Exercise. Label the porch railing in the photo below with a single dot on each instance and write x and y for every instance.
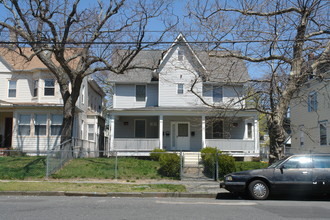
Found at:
(231, 144)
(135, 144)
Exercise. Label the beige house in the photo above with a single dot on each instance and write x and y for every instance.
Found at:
(310, 115)
(31, 107)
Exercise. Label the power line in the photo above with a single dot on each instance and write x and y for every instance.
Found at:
(158, 42)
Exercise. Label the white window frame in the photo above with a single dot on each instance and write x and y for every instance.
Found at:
(52, 125)
(91, 131)
(180, 54)
(301, 136)
(145, 93)
(180, 89)
(217, 99)
(24, 124)
(83, 95)
(12, 89)
(35, 88)
(49, 87)
(323, 137)
(312, 101)
(36, 124)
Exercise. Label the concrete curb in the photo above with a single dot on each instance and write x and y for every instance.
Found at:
(111, 194)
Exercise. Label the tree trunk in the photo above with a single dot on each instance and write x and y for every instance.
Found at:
(68, 119)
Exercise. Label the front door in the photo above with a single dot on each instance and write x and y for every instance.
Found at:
(180, 136)
(8, 132)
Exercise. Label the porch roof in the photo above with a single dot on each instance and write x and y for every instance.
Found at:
(189, 110)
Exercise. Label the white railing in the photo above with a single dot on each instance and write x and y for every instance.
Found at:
(231, 144)
(135, 144)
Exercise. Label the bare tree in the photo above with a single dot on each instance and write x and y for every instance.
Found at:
(75, 40)
(279, 36)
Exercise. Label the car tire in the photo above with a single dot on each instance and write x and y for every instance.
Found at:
(258, 190)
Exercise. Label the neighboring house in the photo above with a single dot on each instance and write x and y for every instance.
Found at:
(310, 115)
(31, 107)
(153, 106)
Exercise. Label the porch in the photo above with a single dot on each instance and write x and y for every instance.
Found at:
(141, 134)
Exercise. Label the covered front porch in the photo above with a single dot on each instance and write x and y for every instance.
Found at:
(143, 133)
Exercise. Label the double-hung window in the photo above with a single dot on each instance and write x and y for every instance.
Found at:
(56, 124)
(49, 89)
(217, 93)
(91, 131)
(24, 125)
(323, 133)
(312, 102)
(180, 88)
(35, 88)
(140, 91)
(12, 88)
(40, 124)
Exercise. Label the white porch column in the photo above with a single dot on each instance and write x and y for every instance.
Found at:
(112, 132)
(256, 135)
(161, 118)
(203, 132)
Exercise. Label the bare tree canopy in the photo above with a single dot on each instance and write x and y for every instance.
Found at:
(75, 38)
(291, 38)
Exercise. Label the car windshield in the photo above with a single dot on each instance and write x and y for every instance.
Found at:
(277, 163)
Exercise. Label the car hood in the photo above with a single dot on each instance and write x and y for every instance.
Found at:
(254, 172)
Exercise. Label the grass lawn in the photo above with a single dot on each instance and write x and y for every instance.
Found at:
(89, 187)
(104, 168)
(22, 167)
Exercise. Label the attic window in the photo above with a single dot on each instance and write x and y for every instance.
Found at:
(49, 89)
(180, 55)
(180, 88)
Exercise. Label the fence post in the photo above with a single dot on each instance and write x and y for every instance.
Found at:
(216, 167)
(116, 166)
(181, 164)
(47, 165)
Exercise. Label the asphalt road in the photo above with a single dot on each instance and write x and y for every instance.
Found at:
(34, 207)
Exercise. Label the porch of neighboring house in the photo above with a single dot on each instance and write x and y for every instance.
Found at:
(138, 135)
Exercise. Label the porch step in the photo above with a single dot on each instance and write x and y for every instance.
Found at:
(192, 159)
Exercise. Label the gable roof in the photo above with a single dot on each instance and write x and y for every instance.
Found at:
(214, 68)
(14, 61)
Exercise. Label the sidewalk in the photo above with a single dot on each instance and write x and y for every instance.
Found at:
(195, 189)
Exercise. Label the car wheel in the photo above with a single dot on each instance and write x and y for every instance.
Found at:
(258, 190)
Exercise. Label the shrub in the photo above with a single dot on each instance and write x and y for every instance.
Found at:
(242, 166)
(208, 159)
(156, 153)
(226, 163)
(169, 165)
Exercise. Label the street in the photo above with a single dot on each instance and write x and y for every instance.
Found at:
(34, 207)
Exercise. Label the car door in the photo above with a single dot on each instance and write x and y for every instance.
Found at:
(321, 173)
(294, 175)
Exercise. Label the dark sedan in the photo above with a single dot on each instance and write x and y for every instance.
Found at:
(308, 174)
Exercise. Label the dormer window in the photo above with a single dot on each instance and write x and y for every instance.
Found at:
(180, 55)
(49, 87)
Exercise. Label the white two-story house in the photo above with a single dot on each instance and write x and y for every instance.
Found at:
(154, 107)
(31, 107)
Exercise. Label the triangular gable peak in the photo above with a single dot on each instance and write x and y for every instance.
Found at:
(180, 41)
